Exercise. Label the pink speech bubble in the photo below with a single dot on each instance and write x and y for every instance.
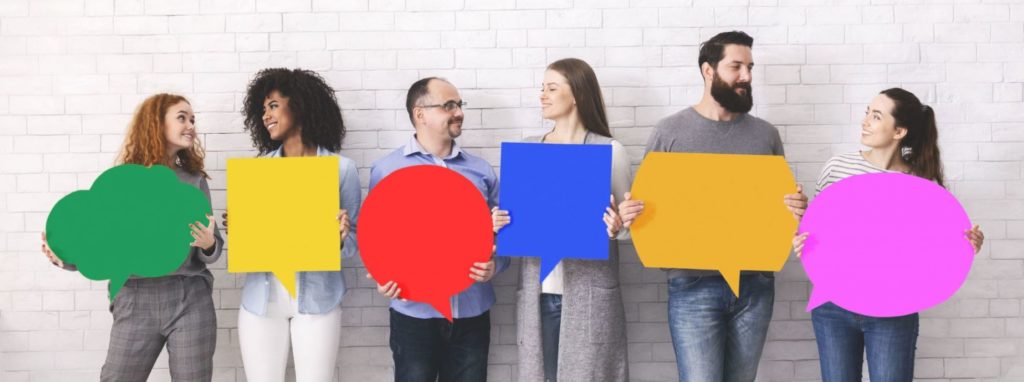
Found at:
(885, 245)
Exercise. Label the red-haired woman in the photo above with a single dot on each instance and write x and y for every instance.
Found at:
(174, 310)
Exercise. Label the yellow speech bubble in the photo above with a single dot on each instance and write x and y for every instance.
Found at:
(283, 216)
(721, 212)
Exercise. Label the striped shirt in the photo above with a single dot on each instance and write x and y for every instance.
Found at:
(843, 166)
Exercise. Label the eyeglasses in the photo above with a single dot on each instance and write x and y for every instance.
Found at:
(449, 106)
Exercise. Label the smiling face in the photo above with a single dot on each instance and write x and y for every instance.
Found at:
(556, 99)
(277, 117)
(878, 129)
(179, 127)
(437, 121)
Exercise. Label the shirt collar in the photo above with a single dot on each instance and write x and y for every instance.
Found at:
(413, 147)
(320, 151)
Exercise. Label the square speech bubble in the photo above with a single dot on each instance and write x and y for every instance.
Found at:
(556, 195)
(284, 216)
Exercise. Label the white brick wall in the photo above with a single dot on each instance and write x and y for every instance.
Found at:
(72, 71)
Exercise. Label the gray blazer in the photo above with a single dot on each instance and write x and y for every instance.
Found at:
(592, 341)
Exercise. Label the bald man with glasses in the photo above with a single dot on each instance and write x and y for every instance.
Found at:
(426, 346)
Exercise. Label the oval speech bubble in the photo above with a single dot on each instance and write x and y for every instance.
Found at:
(721, 212)
(423, 227)
(885, 245)
(132, 222)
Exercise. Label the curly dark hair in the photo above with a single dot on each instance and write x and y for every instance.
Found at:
(311, 101)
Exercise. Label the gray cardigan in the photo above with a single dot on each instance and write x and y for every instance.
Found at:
(592, 340)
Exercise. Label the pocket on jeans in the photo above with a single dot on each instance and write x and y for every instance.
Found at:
(766, 281)
(683, 282)
(606, 318)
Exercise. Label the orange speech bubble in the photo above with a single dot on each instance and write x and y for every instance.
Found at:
(721, 212)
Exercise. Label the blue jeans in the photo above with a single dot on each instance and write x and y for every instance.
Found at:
(550, 323)
(434, 349)
(843, 337)
(716, 336)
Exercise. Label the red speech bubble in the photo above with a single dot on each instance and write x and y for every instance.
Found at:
(423, 227)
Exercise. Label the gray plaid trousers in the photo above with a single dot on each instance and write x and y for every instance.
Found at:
(149, 313)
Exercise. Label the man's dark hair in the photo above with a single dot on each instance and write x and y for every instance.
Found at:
(712, 50)
(417, 91)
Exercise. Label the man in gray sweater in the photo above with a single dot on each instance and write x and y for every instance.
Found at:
(718, 336)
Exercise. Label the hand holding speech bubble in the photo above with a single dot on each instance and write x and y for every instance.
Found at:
(720, 212)
(423, 227)
(885, 245)
(133, 221)
(557, 193)
(284, 216)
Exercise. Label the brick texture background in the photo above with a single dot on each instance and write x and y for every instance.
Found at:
(72, 71)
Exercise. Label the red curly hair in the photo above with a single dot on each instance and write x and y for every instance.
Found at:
(145, 143)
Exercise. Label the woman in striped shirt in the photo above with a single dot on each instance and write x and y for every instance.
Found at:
(902, 136)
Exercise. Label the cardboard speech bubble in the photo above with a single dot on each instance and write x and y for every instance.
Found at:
(147, 210)
(423, 227)
(284, 216)
(557, 194)
(885, 245)
(721, 212)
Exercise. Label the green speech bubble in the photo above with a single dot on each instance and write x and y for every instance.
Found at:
(134, 221)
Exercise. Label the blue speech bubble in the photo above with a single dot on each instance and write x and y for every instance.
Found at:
(555, 195)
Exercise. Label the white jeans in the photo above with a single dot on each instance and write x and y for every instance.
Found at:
(265, 340)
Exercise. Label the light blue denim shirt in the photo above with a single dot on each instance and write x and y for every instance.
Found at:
(318, 292)
(479, 297)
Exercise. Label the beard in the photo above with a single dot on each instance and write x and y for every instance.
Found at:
(726, 95)
(455, 127)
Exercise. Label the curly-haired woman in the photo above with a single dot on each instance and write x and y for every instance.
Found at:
(292, 113)
(174, 310)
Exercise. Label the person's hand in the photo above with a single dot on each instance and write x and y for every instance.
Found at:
(390, 289)
(798, 243)
(797, 203)
(345, 225)
(225, 217)
(203, 234)
(612, 221)
(482, 272)
(49, 253)
(629, 210)
(499, 218)
(976, 237)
